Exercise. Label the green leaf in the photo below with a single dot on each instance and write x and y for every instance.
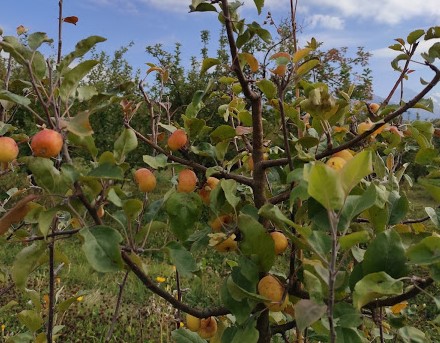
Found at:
(426, 156)
(125, 143)
(301, 54)
(31, 319)
(248, 333)
(182, 259)
(156, 162)
(256, 242)
(229, 188)
(425, 104)
(36, 39)
(411, 334)
(325, 186)
(18, 99)
(432, 186)
(268, 88)
(347, 316)
(308, 312)
(356, 204)
(240, 309)
(101, 247)
(184, 211)
(45, 220)
(348, 241)
(356, 169)
(222, 133)
(132, 208)
(351, 335)
(26, 261)
(79, 124)
(395, 62)
(185, 336)
(313, 286)
(208, 63)
(426, 252)
(305, 67)
(434, 215)
(259, 4)
(81, 48)
(386, 254)
(107, 171)
(73, 77)
(374, 286)
(414, 36)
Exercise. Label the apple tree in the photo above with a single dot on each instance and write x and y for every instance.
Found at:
(301, 187)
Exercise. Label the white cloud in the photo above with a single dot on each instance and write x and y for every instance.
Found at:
(389, 53)
(384, 11)
(325, 21)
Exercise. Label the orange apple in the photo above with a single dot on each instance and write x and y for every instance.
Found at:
(8, 149)
(374, 107)
(100, 212)
(280, 242)
(205, 192)
(208, 328)
(229, 244)
(47, 143)
(145, 180)
(219, 222)
(177, 140)
(271, 288)
(187, 181)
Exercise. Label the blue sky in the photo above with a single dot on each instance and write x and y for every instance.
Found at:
(372, 24)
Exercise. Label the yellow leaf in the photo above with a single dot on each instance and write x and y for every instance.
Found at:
(251, 61)
(16, 214)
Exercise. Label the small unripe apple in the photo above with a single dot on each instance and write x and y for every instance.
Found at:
(145, 180)
(8, 149)
(250, 161)
(208, 328)
(100, 211)
(336, 163)
(177, 140)
(192, 323)
(280, 242)
(205, 192)
(271, 288)
(47, 143)
(187, 181)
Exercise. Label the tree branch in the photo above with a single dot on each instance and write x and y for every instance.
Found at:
(199, 313)
(194, 165)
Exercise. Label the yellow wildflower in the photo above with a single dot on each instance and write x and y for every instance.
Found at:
(80, 298)
(160, 279)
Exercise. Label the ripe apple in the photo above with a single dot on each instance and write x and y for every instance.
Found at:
(208, 328)
(345, 154)
(336, 163)
(364, 126)
(192, 323)
(145, 180)
(177, 140)
(374, 107)
(47, 143)
(280, 242)
(8, 149)
(219, 222)
(209, 185)
(229, 244)
(271, 288)
(187, 181)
